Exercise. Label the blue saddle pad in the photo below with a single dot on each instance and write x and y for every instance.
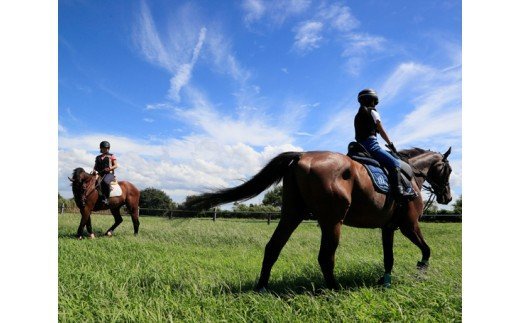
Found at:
(379, 178)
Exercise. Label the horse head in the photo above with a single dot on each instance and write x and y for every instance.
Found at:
(438, 176)
(79, 185)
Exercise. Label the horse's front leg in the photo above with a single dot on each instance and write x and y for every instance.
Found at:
(89, 228)
(85, 216)
(388, 256)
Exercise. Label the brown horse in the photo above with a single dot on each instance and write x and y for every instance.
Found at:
(87, 199)
(338, 190)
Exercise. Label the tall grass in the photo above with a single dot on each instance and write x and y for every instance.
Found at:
(200, 270)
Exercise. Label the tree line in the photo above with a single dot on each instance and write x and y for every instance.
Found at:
(156, 202)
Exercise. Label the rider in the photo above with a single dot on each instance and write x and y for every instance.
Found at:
(105, 165)
(367, 124)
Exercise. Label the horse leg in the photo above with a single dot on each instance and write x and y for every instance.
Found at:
(273, 248)
(89, 228)
(117, 221)
(388, 256)
(85, 215)
(413, 233)
(329, 243)
(134, 212)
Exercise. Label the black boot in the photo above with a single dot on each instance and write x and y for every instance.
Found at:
(401, 192)
(106, 194)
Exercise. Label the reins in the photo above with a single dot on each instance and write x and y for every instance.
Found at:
(432, 187)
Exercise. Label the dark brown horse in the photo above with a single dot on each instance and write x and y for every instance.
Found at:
(338, 190)
(87, 199)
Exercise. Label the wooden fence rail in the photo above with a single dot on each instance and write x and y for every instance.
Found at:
(215, 213)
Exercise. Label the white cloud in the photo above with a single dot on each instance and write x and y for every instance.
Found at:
(361, 43)
(224, 128)
(183, 75)
(308, 36)
(180, 167)
(404, 74)
(254, 10)
(272, 12)
(338, 16)
(160, 106)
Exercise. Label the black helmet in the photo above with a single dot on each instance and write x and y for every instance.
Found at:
(367, 94)
(104, 144)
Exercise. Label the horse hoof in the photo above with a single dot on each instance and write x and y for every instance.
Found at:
(421, 265)
(261, 290)
(109, 233)
(80, 238)
(92, 236)
(385, 281)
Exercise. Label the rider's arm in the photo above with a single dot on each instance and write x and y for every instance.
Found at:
(114, 164)
(379, 126)
(382, 132)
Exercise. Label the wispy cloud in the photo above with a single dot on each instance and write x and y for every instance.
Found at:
(338, 16)
(254, 10)
(308, 36)
(335, 21)
(226, 129)
(405, 74)
(183, 75)
(272, 12)
(160, 106)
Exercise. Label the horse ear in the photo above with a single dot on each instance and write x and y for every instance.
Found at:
(446, 154)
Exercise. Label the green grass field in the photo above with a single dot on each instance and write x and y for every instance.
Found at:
(200, 270)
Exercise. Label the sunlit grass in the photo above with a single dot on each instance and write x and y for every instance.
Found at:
(200, 270)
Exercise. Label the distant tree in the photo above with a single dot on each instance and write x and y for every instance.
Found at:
(457, 207)
(240, 207)
(273, 197)
(68, 203)
(432, 209)
(152, 198)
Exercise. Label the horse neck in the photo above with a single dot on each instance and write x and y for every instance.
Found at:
(422, 163)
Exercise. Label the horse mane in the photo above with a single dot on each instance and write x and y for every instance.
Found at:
(413, 152)
(76, 173)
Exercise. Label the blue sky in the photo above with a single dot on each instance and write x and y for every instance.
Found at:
(196, 95)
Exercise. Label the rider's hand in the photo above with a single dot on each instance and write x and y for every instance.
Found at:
(107, 170)
(392, 147)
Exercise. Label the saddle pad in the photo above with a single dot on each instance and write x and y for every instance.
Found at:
(379, 178)
(115, 190)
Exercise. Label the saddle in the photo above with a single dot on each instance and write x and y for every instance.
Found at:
(377, 172)
(115, 189)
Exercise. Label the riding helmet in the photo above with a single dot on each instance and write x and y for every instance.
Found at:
(104, 144)
(367, 94)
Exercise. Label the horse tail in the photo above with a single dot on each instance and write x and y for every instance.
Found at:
(271, 174)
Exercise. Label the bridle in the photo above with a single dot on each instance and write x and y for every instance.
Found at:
(86, 188)
(434, 188)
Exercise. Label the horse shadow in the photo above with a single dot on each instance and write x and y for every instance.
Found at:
(311, 283)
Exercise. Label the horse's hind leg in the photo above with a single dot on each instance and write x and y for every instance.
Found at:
(134, 213)
(292, 216)
(330, 235)
(273, 248)
(413, 232)
(117, 221)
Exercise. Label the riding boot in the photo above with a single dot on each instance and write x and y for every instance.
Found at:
(401, 192)
(106, 194)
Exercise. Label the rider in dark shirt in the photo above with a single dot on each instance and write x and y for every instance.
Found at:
(367, 124)
(105, 165)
